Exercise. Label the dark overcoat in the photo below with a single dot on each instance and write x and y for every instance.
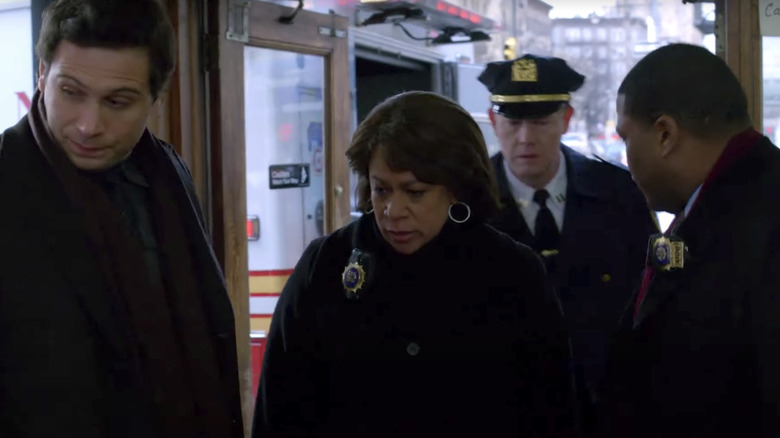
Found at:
(442, 342)
(702, 357)
(64, 355)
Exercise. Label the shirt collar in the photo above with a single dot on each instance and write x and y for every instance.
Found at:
(735, 149)
(524, 194)
(691, 201)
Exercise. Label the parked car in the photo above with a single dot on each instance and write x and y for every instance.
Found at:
(615, 152)
(577, 141)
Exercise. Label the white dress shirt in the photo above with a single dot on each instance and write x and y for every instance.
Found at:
(524, 195)
(691, 201)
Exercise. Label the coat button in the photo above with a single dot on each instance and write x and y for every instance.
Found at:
(413, 349)
(606, 278)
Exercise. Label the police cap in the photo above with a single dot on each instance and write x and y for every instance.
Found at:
(530, 86)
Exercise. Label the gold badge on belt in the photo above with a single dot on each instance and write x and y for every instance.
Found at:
(667, 253)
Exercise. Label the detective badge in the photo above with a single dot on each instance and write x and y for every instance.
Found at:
(355, 274)
(667, 253)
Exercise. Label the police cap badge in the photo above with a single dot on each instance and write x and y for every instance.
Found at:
(530, 86)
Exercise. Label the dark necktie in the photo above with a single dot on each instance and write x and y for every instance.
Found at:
(545, 231)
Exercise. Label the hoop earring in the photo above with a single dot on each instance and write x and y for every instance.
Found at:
(371, 210)
(459, 221)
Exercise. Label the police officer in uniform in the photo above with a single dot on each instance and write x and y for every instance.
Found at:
(585, 217)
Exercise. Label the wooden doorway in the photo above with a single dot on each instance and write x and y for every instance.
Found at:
(279, 118)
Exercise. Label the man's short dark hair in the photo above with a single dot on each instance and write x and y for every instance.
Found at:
(435, 139)
(113, 24)
(689, 84)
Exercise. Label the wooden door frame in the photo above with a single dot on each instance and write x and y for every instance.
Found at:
(305, 36)
(741, 47)
(179, 115)
(225, 97)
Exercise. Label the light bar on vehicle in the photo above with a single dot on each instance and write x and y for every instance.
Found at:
(439, 13)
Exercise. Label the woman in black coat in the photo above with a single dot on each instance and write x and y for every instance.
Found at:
(418, 319)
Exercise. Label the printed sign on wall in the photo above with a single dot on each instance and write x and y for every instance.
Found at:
(283, 176)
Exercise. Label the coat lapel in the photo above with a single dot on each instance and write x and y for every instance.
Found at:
(582, 190)
(743, 155)
(662, 286)
(214, 290)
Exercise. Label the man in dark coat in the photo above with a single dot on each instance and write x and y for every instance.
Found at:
(698, 352)
(585, 217)
(114, 316)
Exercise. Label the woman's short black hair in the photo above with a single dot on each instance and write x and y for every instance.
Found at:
(435, 139)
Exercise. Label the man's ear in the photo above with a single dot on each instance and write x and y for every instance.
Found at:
(567, 114)
(155, 110)
(667, 132)
(492, 116)
(41, 75)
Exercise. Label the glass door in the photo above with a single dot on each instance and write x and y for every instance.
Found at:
(280, 105)
(284, 114)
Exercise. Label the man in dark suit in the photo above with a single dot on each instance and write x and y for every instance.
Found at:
(585, 217)
(698, 352)
(114, 316)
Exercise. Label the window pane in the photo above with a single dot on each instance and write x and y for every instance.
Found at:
(771, 72)
(624, 31)
(16, 80)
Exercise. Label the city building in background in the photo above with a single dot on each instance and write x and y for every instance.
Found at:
(672, 20)
(525, 24)
(601, 39)
(602, 49)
